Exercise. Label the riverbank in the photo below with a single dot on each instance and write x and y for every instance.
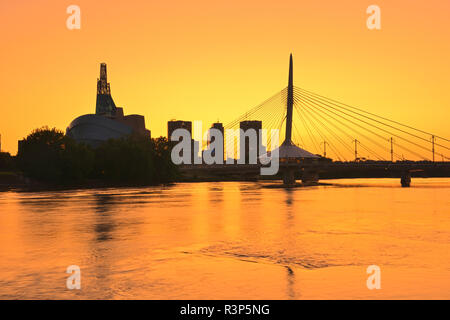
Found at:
(16, 181)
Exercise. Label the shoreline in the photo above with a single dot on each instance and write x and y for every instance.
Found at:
(14, 181)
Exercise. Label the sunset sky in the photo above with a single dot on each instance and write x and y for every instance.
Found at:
(214, 60)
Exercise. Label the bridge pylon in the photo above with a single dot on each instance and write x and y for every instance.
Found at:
(289, 154)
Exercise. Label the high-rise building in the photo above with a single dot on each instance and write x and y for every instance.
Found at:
(178, 124)
(244, 139)
(218, 126)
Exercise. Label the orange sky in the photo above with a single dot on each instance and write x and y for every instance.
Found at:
(213, 60)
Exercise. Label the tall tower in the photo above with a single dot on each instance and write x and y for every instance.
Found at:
(105, 103)
(290, 104)
(288, 151)
(102, 82)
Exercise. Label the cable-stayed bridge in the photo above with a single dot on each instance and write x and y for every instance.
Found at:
(345, 133)
(320, 134)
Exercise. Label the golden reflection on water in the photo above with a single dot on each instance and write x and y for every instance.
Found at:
(229, 240)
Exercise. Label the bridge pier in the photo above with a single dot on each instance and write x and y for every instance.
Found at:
(405, 179)
(289, 177)
(310, 177)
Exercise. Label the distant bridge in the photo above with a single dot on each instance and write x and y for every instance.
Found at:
(343, 132)
(347, 140)
(306, 171)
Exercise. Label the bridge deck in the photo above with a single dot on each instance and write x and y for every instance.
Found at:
(329, 169)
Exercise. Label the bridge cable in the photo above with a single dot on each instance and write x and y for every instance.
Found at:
(372, 114)
(390, 126)
(358, 132)
(323, 105)
(322, 135)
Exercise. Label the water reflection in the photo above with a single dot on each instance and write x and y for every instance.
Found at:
(290, 276)
(289, 196)
(215, 193)
(227, 240)
(104, 225)
(290, 210)
(102, 249)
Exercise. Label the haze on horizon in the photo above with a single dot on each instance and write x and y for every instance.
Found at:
(213, 61)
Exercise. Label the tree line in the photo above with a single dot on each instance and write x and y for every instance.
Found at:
(48, 155)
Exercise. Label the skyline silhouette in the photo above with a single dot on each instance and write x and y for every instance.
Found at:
(207, 59)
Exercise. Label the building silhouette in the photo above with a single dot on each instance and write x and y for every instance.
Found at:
(105, 104)
(173, 125)
(211, 139)
(178, 124)
(250, 128)
(109, 121)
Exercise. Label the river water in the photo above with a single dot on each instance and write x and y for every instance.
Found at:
(229, 240)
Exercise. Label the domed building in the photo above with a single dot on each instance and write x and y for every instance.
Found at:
(108, 122)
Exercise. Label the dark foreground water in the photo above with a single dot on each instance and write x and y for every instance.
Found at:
(230, 240)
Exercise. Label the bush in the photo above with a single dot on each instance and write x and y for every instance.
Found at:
(166, 169)
(135, 159)
(6, 162)
(48, 155)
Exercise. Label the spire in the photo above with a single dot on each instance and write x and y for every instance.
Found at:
(290, 103)
(105, 104)
(102, 82)
(291, 75)
(103, 71)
